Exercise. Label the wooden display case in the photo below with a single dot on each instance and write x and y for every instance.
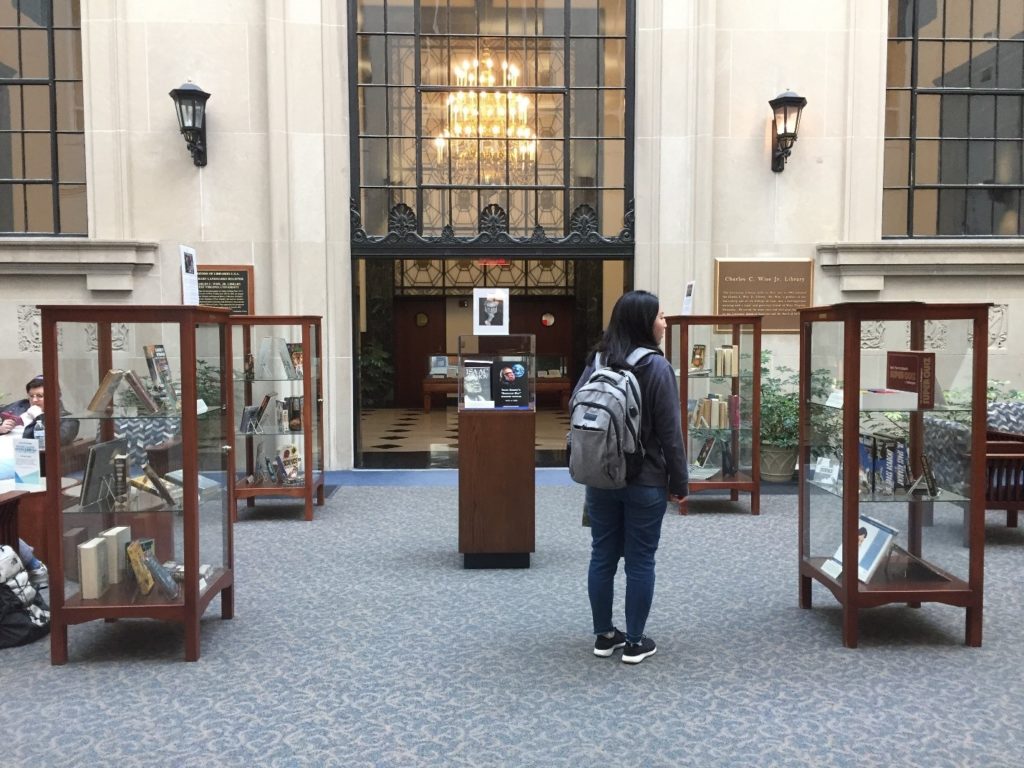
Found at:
(277, 362)
(875, 487)
(497, 430)
(147, 417)
(717, 362)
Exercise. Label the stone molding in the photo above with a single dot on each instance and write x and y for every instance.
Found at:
(107, 265)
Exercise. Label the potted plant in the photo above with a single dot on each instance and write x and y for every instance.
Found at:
(780, 420)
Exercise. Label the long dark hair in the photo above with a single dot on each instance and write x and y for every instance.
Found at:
(631, 326)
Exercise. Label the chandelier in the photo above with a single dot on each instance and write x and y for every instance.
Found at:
(486, 124)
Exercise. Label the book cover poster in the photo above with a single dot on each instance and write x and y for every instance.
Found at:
(511, 386)
(295, 353)
(490, 311)
(476, 384)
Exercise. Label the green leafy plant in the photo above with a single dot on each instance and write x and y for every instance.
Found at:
(376, 375)
(780, 404)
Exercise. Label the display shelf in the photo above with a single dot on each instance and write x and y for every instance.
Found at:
(144, 428)
(278, 361)
(925, 493)
(719, 399)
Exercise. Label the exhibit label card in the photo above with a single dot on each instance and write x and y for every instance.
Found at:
(26, 461)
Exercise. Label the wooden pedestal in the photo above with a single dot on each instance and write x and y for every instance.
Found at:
(496, 488)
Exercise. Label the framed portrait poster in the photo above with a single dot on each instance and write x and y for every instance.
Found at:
(490, 311)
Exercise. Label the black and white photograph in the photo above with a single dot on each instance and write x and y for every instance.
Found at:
(490, 311)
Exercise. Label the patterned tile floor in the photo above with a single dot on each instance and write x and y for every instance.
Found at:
(400, 438)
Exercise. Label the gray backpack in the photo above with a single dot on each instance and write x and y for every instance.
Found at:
(604, 426)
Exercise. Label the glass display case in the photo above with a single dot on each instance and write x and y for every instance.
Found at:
(277, 409)
(497, 372)
(892, 446)
(717, 363)
(140, 519)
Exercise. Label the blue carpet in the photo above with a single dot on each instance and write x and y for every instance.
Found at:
(359, 640)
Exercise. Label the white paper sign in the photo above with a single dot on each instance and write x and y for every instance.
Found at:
(688, 299)
(26, 461)
(189, 276)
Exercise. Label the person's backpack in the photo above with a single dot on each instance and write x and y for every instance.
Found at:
(24, 616)
(604, 443)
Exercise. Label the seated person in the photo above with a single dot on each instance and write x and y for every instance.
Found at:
(38, 575)
(20, 417)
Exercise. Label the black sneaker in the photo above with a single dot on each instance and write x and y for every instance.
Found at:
(634, 653)
(605, 646)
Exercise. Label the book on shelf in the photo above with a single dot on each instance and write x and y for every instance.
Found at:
(510, 382)
(116, 539)
(93, 571)
(136, 555)
(697, 356)
(72, 538)
(274, 361)
(705, 451)
(476, 384)
(912, 370)
(295, 354)
(734, 411)
(928, 476)
(177, 477)
(158, 484)
(160, 575)
(875, 542)
(727, 360)
(160, 370)
(248, 423)
(103, 399)
(289, 458)
(146, 400)
(120, 478)
(257, 417)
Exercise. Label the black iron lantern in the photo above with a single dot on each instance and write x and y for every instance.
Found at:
(190, 104)
(787, 108)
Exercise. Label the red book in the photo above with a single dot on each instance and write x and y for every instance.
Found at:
(912, 371)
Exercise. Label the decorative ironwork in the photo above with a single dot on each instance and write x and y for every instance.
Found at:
(402, 219)
(493, 219)
(583, 240)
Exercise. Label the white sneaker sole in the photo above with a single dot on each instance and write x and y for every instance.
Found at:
(609, 651)
(639, 658)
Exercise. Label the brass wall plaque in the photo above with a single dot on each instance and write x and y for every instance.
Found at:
(228, 287)
(774, 288)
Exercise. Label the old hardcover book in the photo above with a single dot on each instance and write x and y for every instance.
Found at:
(103, 400)
(93, 572)
(136, 554)
(247, 425)
(72, 538)
(117, 539)
(912, 371)
(875, 542)
(158, 484)
(697, 356)
(139, 389)
(257, 417)
(295, 354)
(705, 451)
(160, 369)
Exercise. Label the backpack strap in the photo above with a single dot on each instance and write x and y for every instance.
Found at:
(632, 359)
(637, 355)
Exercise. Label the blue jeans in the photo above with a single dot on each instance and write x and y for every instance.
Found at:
(624, 522)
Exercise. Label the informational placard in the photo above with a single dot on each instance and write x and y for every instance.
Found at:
(228, 287)
(774, 288)
(189, 286)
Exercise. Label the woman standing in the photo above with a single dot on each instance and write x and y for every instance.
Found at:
(626, 522)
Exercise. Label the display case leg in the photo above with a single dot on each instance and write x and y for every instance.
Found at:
(192, 638)
(974, 627)
(309, 506)
(805, 591)
(58, 643)
(850, 615)
(227, 603)
(755, 503)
